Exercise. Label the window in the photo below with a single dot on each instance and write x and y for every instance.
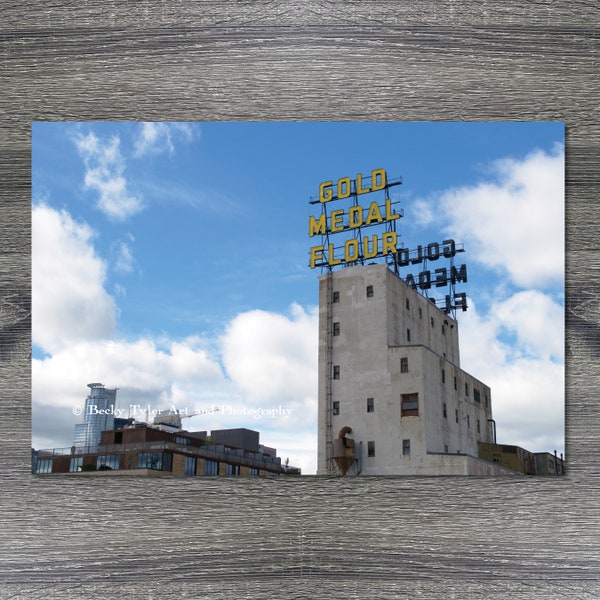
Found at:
(446, 449)
(404, 365)
(406, 447)
(232, 469)
(432, 322)
(44, 466)
(118, 437)
(211, 467)
(444, 410)
(370, 405)
(108, 463)
(409, 406)
(443, 330)
(443, 376)
(369, 291)
(456, 415)
(158, 461)
(476, 395)
(336, 371)
(336, 296)
(478, 426)
(371, 448)
(420, 313)
(181, 440)
(408, 335)
(190, 465)
(253, 471)
(75, 464)
(466, 389)
(336, 408)
(407, 304)
(336, 328)
(455, 383)
(468, 422)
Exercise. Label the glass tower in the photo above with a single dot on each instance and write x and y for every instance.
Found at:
(99, 415)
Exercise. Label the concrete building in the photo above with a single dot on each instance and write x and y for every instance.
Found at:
(393, 399)
(143, 449)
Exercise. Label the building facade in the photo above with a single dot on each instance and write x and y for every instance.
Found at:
(393, 398)
(143, 449)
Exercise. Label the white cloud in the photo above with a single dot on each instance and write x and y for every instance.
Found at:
(104, 174)
(272, 358)
(527, 387)
(69, 300)
(516, 222)
(155, 138)
(123, 257)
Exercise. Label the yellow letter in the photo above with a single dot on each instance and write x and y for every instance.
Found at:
(316, 253)
(374, 214)
(382, 179)
(332, 261)
(337, 217)
(351, 245)
(325, 193)
(346, 182)
(315, 226)
(355, 221)
(372, 253)
(359, 187)
(389, 242)
(389, 215)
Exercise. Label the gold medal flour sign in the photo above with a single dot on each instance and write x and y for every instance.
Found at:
(354, 217)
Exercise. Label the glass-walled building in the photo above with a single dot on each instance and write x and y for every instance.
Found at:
(99, 416)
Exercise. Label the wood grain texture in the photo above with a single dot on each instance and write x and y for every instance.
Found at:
(302, 60)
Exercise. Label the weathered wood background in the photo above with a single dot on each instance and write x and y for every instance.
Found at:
(301, 60)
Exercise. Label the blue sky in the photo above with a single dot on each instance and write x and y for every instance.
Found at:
(171, 261)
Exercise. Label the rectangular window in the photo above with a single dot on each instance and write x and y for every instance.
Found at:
(190, 465)
(232, 469)
(409, 406)
(44, 466)
(369, 291)
(446, 449)
(420, 313)
(336, 371)
(335, 408)
(118, 437)
(370, 405)
(253, 471)
(181, 440)
(75, 464)
(466, 389)
(157, 461)
(432, 322)
(478, 426)
(404, 365)
(476, 395)
(407, 304)
(444, 410)
(108, 463)
(443, 376)
(455, 383)
(408, 335)
(336, 328)
(211, 467)
(456, 415)
(406, 447)
(336, 296)
(371, 448)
